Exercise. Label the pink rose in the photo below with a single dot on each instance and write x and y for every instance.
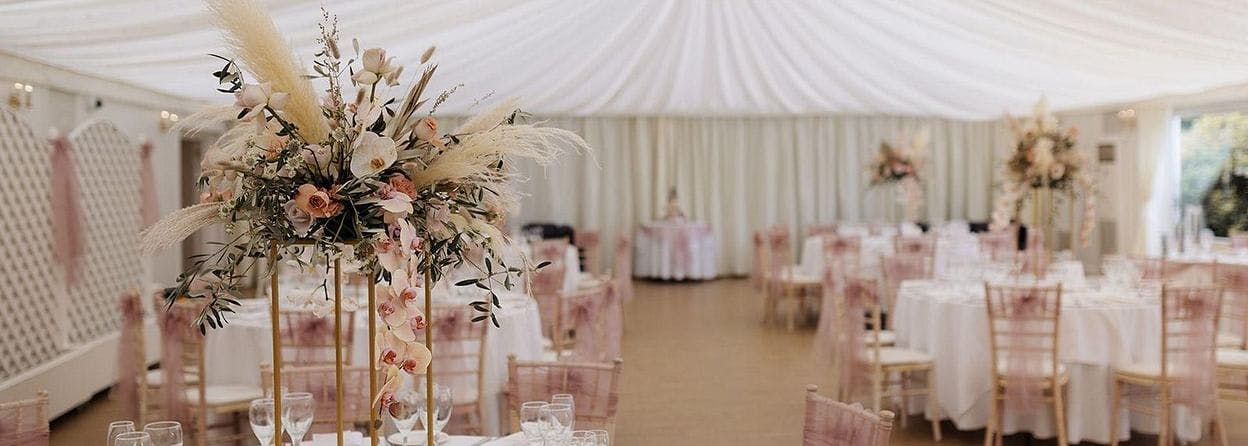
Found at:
(316, 202)
(300, 219)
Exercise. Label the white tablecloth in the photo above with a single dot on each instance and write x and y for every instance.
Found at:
(233, 354)
(950, 250)
(675, 250)
(330, 439)
(1099, 329)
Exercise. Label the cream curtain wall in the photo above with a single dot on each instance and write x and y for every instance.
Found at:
(742, 174)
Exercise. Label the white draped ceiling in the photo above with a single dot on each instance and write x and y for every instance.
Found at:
(948, 58)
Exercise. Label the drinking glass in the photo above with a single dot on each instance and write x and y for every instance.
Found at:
(533, 422)
(262, 420)
(133, 439)
(582, 438)
(601, 437)
(297, 413)
(563, 398)
(403, 411)
(165, 433)
(117, 428)
(442, 405)
(560, 421)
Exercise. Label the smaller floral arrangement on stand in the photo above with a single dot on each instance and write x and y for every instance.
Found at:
(899, 164)
(1045, 157)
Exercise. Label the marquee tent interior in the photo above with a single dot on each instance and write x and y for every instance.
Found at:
(712, 127)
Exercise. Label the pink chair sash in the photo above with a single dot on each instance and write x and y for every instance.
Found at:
(66, 210)
(833, 423)
(1239, 241)
(612, 324)
(998, 244)
(1191, 362)
(128, 355)
(583, 311)
(860, 295)
(623, 270)
(1026, 354)
(176, 328)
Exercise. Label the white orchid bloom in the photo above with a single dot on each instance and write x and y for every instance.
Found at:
(372, 154)
(396, 205)
(255, 97)
(390, 254)
(376, 66)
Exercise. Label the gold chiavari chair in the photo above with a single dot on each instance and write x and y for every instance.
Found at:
(786, 282)
(884, 362)
(594, 387)
(1023, 334)
(1233, 326)
(899, 268)
(832, 423)
(460, 363)
(319, 380)
(588, 242)
(1189, 320)
(212, 407)
(914, 245)
(579, 323)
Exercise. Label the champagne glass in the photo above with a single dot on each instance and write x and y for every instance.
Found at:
(403, 411)
(532, 421)
(164, 433)
(297, 415)
(133, 439)
(262, 420)
(442, 405)
(560, 419)
(117, 428)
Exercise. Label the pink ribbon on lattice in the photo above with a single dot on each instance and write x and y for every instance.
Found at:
(68, 246)
(150, 206)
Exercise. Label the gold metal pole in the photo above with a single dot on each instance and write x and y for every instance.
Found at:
(429, 415)
(338, 346)
(275, 320)
(1074, 231)
(372, 357)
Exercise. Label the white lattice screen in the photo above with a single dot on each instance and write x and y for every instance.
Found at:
(28, 326)
(108, 171)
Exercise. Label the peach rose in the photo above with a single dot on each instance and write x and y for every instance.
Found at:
(400, 183)
(316, 202)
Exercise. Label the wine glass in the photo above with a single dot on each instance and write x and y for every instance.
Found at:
(532, 421)
(564, 398)
(165, 433)
(133, 439)
(442, 405)
(262, 420)
(403, 411)
(560, 419)
(117, 428)
(297, 413)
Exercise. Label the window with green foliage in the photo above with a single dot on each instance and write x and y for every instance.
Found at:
(1215, 168)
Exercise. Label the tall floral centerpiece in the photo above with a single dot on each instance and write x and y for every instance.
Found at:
(1044, 161)
(343, 160)
(899, 165)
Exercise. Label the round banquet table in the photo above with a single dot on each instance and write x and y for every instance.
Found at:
(1099, 329)
(233, 354)
(675, 250)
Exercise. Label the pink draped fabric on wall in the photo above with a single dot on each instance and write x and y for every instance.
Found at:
(68, 244)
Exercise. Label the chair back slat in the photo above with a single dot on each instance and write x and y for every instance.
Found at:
(308, 339)
(832, 423)
(593, 386)
(320, 381)
(25, 422)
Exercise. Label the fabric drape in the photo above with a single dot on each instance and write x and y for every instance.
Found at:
(743, 174)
